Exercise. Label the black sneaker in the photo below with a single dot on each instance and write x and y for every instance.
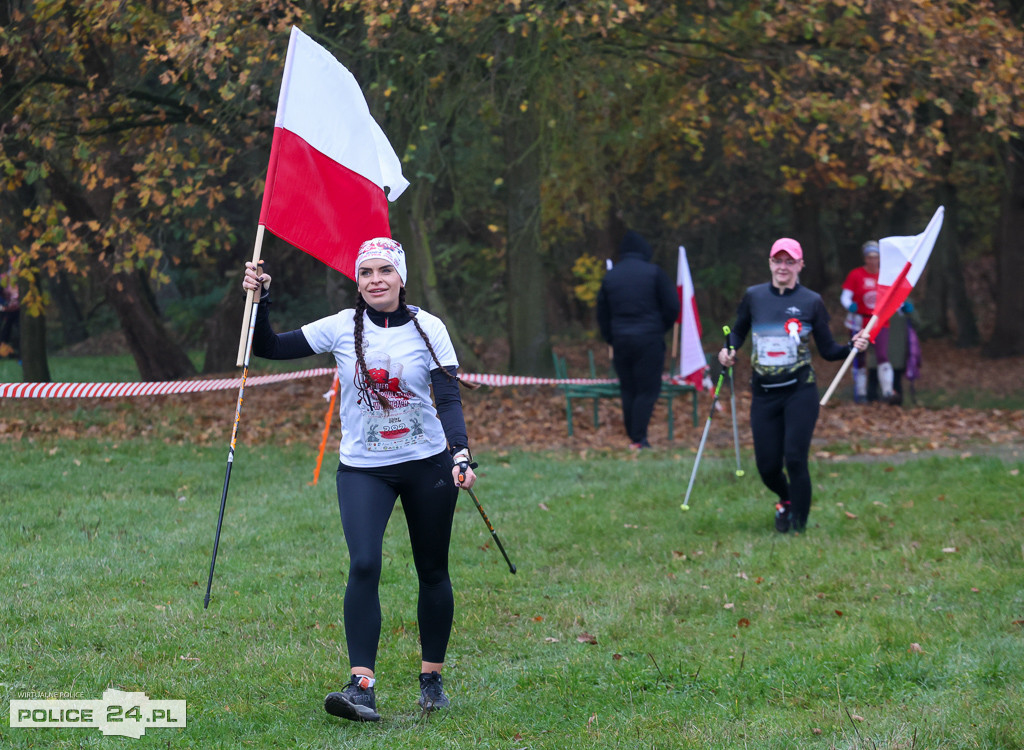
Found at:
(783, 518)
(354, 702)
(432, 694)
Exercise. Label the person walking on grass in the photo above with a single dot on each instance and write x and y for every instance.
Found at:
(782, 316)
(394, 443)
(636, 306)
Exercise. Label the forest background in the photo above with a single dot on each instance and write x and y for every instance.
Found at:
(134, 140)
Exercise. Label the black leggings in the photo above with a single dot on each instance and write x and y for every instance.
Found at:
(782, 421)
(366, 498)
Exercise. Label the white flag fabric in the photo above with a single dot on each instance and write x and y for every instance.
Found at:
(691, 354)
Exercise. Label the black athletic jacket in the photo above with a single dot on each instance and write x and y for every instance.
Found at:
(782, 322)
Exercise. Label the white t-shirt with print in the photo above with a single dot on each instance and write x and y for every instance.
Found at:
(399, 366)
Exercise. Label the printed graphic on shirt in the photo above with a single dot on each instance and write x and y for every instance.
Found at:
(776, 351)
(392, 418)
(870, 294)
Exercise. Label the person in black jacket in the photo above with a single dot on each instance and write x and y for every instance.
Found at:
(636, 306)
(783, 316)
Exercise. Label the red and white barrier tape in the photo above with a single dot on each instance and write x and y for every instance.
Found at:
(160, 388)
(164, 388)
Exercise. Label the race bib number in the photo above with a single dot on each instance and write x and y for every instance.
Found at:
(776, 351)
(393, 430)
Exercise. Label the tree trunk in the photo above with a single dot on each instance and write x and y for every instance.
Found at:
(946, 292)
(1008, 336)
(34, 365)
(807, 215)
(409, 216)
(222, 332)
(529, 346)
(156, 354)
(72, 323)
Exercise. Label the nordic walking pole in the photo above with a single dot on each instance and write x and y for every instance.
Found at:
(462, 476)
(735, 428)
(253, 302)
(707, 426)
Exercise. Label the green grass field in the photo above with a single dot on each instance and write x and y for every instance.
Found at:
(899, 628)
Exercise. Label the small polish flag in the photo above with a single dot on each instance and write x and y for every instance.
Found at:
(329, 161)
(691, 355)
(901, 263)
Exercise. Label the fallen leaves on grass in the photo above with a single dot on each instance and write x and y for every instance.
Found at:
(915, 648)
(587, 638)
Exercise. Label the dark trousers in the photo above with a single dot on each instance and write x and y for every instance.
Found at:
(782, 421)
(366, 498)
(638, 364)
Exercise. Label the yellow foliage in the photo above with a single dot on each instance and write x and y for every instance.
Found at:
(589, 271)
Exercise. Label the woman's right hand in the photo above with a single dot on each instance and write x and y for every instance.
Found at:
(727, 357)
(255, 277)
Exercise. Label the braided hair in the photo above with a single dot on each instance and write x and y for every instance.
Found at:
(363, 383)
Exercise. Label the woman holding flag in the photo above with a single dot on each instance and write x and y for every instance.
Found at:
(395, 443)
(782, 316)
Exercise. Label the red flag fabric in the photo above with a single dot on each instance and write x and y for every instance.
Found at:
(329, 161)
(691, 355)
(901, 263)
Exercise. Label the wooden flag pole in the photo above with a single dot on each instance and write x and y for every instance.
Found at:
(251, 301)
(846, 364)
(675, 340)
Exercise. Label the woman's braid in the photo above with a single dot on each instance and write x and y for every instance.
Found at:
(362, 375)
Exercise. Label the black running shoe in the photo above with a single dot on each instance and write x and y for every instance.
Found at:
(354, 702)
(783, 518)
(432, 694)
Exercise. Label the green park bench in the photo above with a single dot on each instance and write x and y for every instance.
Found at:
(597, 391)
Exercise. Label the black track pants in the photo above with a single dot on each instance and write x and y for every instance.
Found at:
(782, 421)
(366, 498)
(638, 363)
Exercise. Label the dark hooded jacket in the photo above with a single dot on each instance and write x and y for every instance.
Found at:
(637, 298)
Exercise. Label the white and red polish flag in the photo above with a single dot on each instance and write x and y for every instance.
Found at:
(691, 354)
(901, 263)
(329, 161)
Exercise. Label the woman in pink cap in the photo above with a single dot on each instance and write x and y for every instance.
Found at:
(395, 443)
(782, 316)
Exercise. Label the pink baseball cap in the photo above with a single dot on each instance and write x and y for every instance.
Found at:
(787, 245)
